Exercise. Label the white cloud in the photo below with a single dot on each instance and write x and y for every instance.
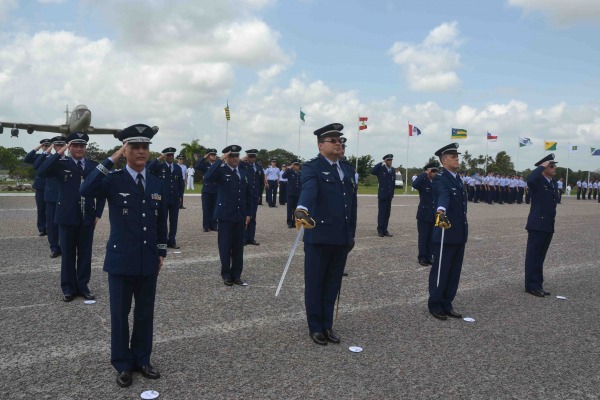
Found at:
(562, 12)
(432, 64)
(6, 6)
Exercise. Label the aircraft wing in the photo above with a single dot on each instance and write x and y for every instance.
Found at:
(103, 131)
(30, 128)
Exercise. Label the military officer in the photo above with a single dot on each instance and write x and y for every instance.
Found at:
(77, 216)
(594, 186)
(180, 162)
(136, 248)
(39, 185)
(209, 191)
(51, 197)
(559, 189)
(540, 223)
(272, 183)
(172, 175)
(283, 186)
(328, 194)
(451, 215)
(255, 174)
(386, 176)
(425, 213)
(292, 175)
(578, 189)
(235, 202)
(261, 186)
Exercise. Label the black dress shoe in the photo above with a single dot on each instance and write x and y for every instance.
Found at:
(43, 233)
(537, 293)
(174, 246)
(228, 282)
(124, 378)
(253, 242)
(388, 234)
(181, 207)
(439, 315)
(88, 296)
(214, 229)
(424, 263)
(148, 371)
(206, 230)
(54, 254)
(453, 314)
(380, 235)
(67, 298)
(318, 338)
(331, 336)
(345, 274)
(240, 282)
(546, 293)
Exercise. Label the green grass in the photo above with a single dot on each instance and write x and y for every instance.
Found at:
(362, 189)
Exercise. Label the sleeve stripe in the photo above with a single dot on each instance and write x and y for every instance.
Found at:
(102, 169)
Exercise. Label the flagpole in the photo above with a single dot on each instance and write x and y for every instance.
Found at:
(406, 174)
(568, 162)
(357, 139)
(487, 152)
(518, 153)
(226, 131)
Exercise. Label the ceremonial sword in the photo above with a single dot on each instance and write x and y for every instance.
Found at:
(440, 263)
(289, 261)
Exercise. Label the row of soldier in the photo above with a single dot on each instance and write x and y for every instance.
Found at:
(145, 195)
(589, 188)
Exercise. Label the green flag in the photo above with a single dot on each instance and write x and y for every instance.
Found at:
(302, 114)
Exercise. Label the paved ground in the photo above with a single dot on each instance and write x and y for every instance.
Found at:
(218, 342)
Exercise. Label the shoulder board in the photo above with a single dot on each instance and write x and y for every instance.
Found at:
(114, 171)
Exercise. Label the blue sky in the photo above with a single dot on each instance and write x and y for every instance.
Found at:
(512, 67)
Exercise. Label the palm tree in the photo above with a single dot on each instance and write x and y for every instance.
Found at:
(193, 150)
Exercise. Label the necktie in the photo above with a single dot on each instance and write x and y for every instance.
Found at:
(80, 165)
(335, 171)
(236, 172)
(140, 184)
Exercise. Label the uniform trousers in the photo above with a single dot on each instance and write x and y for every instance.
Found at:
(52, 227)
(250, 232)
(173, 217)
(272, 193)
(292, 204)
(76, 261)
(231, 249)
(41, 211)
(126, 352)
(537, 247)
(441, 297)
(425, 230)
(283, 193)
(383, 214)
(209, 202)
(323, 269)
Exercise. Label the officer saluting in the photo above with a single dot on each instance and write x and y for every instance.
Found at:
(76, 215)
(386, 176)
(173, 177)
(540, 223)
(39, 184)
(235, 202)
(209, 191)
(135, 251)
(328, 195)
(425, 213)
(294, 188)
(451, 205)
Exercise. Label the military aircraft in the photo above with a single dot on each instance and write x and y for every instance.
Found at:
(78, 121)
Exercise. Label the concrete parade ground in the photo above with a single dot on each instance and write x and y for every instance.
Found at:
(217, 342)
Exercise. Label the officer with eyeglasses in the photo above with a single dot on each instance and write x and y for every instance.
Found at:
(540, 223)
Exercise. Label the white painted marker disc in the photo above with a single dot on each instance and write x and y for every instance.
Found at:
(561, 297)
(89, 302)
(469, 319)
(176, 252)
(149, 394)
(355, 349)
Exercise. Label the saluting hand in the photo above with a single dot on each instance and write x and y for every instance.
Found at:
(225, 155)
(119, 153)
(61, 151)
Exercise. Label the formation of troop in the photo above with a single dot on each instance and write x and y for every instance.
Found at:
(587, 188)
(146, 196)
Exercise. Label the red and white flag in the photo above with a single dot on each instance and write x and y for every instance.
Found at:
(413, 130)
(362, 123)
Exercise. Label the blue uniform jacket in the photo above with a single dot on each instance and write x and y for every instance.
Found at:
(138, 226)
(253, 176)
(51, 187)
(426, 210)
(39, 182)
(294, 182)
(543, 202)
(207, 187)
(174, 184)
(448, 192)
(386, 181)
(330, 202)
(68, 205)
(234, 198)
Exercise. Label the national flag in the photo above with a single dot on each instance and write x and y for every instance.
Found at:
(363, 119)
(413, 130)
(227, 115)
(458, 134)
(595, 151)
(362, 126)
(525, 141)
(549, 145)
(491, 137)
(573, 148)
(302, 115)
